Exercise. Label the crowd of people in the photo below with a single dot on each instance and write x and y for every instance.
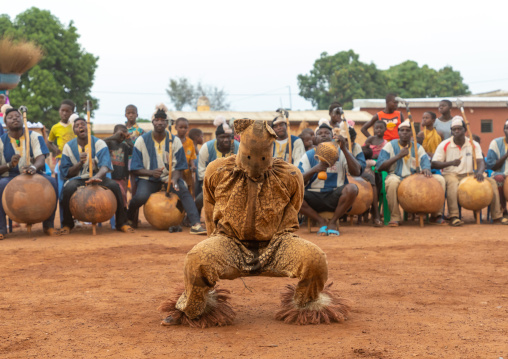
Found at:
(135, 161)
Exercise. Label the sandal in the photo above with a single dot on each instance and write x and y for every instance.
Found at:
(393, 224)
(127, 229)
(437, 220)
(52, 232)
(378, 223)
(332, 233)
(322, 231)
(455, 222)
(501, 221)
(65, 230)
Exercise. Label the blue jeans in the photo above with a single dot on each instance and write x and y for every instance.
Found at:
(48, 223)
(145, 188)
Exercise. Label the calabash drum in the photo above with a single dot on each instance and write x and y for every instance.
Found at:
(163, 210)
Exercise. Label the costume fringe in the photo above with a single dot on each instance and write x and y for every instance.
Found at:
(218, 312)
(329, 308)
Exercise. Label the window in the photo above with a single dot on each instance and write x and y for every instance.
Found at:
(486, 126)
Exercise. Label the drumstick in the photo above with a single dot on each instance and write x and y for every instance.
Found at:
(460, 104)
(89, 130)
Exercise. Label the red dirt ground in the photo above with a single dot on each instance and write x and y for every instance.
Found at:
(437, 292)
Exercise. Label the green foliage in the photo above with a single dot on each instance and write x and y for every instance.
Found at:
(142, 120)
(409, 80)
(343, 77)
(182, 93)
(65, 72)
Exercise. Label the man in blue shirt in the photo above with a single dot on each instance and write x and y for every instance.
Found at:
(74, 169)
(334, 194)
(13, 162)
(150, 166)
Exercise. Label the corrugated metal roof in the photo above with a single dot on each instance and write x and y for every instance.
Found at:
(294, 116)
(469, 101)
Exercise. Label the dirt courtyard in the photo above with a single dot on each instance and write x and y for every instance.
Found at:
(436, 292)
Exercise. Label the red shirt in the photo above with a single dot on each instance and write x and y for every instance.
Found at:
(392, 121)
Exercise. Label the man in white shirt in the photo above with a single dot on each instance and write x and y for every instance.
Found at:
(454, 157)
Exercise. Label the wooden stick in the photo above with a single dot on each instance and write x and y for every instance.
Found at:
(170, 160)
(349, 144)
(460, 104)
(89, 130)
(411, 121)
(27, 139)
(290, 149)
(421, 220)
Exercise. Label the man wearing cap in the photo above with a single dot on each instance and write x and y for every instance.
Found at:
(454, 156)
(74, 169)
(396, 159)
(497, 161)
(221, 146)
(150, 165)
(13, 162)
(280, 146)
(332, 194)
(251, 204)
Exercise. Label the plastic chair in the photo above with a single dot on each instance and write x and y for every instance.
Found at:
(382, 200)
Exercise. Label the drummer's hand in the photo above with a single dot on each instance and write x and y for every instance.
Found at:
(175, 185)
(426, 172)
(93, 180)
(82, 157)
(157, 173)
(321, 166)
(404, 151)
(342, 142)
(456, 162)
(479, 177)
(193, 167)
(29, 170)
(15, 160)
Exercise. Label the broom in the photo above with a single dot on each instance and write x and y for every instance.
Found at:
(16, 58)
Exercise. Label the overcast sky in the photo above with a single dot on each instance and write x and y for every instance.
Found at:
(256, 49)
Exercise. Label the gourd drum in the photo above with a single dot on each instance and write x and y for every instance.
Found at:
(163, 210)
(420, 194)
(93, 203)
(29, 199)
(474, 195)
(365, 196)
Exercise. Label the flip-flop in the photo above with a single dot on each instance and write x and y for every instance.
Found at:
(333, 233)
(322, 231)
(393, 224)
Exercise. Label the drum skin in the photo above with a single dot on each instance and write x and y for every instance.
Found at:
(474, 195)
(420, 194)
(365, 196)
(29, 199)
(93, 203)
(163, 211)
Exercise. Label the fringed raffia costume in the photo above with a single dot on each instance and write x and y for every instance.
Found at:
(251, 203)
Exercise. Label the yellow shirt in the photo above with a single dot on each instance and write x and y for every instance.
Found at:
(62, 134)
(190, 150)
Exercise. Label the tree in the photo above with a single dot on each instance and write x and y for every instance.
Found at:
(65, 72)
(341, 77)
(409, 80)
(182, 93)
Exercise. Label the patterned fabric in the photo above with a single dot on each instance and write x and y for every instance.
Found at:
(281, 149)
(224, 257)
(10, 147)
(497, 149)
(135, 131)
(448, 151)
(238, 207)
(404, 166)
(431, 140)
(209, 153)
(61, 133)
(70, 157)
(336, 174)
(149, 154)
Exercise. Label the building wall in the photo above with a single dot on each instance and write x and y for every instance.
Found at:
(474, 115)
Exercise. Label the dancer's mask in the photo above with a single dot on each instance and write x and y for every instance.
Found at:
(255, 155)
